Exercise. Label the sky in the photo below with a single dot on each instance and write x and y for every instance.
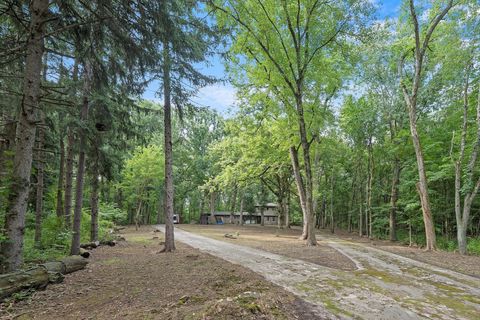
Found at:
(222, 96)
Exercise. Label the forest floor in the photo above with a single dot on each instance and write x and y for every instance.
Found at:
(133, 281)
(383, 285)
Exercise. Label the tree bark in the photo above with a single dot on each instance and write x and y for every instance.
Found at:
(241, 209)
(462, 215)
(169, 192)
(212, 207)
(69, 178)
(70, 161)
(61, 177)
(25, 138)
(300, 189)
(368, 214)
(234, 202)
(394, 199)
(94, 202)
(410, 97)
(40, 185)
(77, 214)
(309, 214)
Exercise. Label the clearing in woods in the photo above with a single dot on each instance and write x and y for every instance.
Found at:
(376, 284)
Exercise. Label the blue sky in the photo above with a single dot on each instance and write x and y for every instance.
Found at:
(221, 96)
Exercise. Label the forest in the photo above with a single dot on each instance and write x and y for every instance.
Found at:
(346, 118)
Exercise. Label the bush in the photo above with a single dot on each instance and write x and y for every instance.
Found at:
(473, 246)
(109, 212)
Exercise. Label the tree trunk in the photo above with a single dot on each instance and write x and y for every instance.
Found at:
(262, 217)
(212, 207)
(77, 214)
(25, 139)
(308, 187)
(234, 202)
(61, 174)
(241, 209)
(6, 156)
(300, 188)
(287, 212)
(40, 185)
(422, 184)
(332, 217)
(137, 214)
(70, 159)
(369, 189)
(69, 178)
(393, 200)
(94, 203)
(169, 232)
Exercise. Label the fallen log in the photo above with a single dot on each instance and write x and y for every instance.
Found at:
(36, 278)
(110, 243)
(40, 276)
(74, 263)
(90, 245)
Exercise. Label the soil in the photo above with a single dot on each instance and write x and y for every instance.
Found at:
(133, 281)
(383, 286)
(280, 241)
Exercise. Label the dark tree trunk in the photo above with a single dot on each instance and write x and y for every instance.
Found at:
(212, 207)
(6, 155)
(77, 214)
(241, 208)
(393, 200)
(169, 192)
(25, 139)
(70, 161)
(234, 203)
(40, 185)
(61, 174)
(69, 178)
(94, 203)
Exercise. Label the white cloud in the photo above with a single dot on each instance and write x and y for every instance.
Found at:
(218, 96)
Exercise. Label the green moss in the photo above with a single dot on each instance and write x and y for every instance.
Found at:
(460, 307)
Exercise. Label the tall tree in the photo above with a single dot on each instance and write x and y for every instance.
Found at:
(422, 36)
(287, 42)
(25, 137)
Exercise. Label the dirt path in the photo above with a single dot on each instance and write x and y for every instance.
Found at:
(132, 281)
(384, 286)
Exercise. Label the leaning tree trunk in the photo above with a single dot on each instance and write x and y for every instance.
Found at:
(77, 214)
(422, 187)
(169, 232)
(308, 187)
(25, 138)
(40, 185)
(61, 174)
(300, 188)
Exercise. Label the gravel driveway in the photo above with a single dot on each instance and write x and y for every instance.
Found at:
(384, 286)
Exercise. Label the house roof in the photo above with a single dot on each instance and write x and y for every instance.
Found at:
(227, 214)
(267, 205)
